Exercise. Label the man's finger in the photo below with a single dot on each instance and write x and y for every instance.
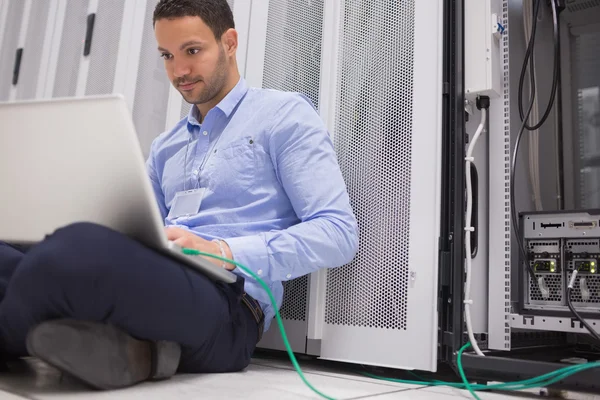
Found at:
(182, 242)
(174, 233)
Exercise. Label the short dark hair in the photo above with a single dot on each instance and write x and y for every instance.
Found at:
(215, 13)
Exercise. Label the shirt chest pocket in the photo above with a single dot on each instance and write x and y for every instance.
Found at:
(232, 168)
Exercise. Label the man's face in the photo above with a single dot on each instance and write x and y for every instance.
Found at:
(196, 62)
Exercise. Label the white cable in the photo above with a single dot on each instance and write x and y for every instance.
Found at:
(468, 229)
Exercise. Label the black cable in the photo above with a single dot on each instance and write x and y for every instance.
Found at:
(513, 164)
(559, 140)
(578, 317)
(556, 69)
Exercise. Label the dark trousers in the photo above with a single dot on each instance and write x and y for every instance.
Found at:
(88, 272)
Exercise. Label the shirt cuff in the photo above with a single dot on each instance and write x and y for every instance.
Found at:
(251, 252)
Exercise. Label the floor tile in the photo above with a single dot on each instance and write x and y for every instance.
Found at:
(264, 380)
(36, 380)
(348, 373)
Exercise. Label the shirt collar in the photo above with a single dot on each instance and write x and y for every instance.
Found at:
(227, 105)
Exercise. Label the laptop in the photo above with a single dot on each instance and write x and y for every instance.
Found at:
(72, 160)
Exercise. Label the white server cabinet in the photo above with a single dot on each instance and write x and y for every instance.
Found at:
(377, 65)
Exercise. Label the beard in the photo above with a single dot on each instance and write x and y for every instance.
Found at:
(212, 85)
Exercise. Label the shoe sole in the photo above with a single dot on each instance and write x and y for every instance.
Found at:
(100, 355)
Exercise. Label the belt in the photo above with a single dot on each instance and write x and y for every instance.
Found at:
(257, 313)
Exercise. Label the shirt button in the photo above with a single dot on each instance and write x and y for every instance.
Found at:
(195, 172)
(205, 133)
(288, 276)
(259, 271)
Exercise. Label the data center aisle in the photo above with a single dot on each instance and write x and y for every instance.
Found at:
(264, 379)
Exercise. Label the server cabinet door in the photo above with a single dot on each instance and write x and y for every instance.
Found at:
(38, 24)
(11, 18)
(381, 309)
(68, 47)
(104, 27)
(152, 85)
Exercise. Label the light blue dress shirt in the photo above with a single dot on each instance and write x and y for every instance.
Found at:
(273, 188)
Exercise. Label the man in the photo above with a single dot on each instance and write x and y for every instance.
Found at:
(250, 174)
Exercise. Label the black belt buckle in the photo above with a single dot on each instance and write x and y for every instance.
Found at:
(257, 312)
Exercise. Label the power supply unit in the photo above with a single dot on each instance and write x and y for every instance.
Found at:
(556, 244)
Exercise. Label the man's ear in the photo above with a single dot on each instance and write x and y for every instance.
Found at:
(230, 41)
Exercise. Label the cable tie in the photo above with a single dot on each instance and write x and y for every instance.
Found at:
(470, 159)
(469, 302)
(572, 280)
(469, 228)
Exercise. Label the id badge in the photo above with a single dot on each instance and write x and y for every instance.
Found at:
(186, 203)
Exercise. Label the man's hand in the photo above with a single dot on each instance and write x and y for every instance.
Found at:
(186, 239)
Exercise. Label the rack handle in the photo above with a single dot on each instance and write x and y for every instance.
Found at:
(88, 34)
(17, 67)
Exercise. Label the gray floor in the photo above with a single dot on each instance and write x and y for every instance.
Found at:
(264, 379)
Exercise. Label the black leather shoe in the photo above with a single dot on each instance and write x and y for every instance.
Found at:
(102, 355)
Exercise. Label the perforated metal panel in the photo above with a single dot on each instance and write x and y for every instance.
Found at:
(8, 47)
(295, 294)
(373, 141)
(71, 48)
(293, 47)
(590, 295)
(553, 282)
(105, 47)
(32, 51)
(152, 87)
(586, 290)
